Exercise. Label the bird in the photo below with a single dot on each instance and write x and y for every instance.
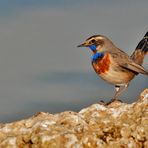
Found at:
(114, 65)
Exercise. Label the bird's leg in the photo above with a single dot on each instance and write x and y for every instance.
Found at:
(119, 90)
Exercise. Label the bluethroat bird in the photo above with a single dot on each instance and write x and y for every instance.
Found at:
(114, 65)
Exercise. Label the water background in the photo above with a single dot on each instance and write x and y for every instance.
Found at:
(41, 69)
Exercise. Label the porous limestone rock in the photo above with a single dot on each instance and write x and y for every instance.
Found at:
(117, 125)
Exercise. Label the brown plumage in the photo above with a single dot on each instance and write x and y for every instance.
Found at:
(114, 65)
(141, 50)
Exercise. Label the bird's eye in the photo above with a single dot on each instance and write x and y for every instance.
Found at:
(93, 41)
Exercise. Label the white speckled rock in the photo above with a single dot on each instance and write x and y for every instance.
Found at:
(102, 126)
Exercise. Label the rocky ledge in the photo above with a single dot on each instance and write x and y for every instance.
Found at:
(103, 126)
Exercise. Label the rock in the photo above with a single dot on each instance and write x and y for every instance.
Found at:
(103, 126)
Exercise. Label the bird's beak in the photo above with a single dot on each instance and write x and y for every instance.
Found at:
(82, 45)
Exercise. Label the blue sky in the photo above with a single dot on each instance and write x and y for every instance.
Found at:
(41, 67)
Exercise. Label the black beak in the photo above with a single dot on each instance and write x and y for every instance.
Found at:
(82, 45)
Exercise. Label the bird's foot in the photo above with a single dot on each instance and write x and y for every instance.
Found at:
(101, 102)
(113, 100)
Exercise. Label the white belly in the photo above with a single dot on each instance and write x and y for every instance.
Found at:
(117, 77)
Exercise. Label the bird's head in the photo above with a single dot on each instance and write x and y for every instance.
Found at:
(97, 43)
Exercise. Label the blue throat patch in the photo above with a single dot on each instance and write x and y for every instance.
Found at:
(92, 47)
(97, 56)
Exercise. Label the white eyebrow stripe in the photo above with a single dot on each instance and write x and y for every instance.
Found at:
(99, 37)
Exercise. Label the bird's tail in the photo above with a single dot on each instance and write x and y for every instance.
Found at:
(141, 50)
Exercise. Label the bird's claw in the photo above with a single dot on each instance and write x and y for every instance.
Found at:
(113, 100)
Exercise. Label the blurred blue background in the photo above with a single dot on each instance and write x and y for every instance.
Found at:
(41, 69)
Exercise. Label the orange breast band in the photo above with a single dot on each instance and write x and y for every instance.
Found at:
(102, 66)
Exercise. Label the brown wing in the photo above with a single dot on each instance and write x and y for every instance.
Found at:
(135, 67)
(123, 60)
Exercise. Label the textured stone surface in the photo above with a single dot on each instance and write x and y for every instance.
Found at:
(117, 125)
